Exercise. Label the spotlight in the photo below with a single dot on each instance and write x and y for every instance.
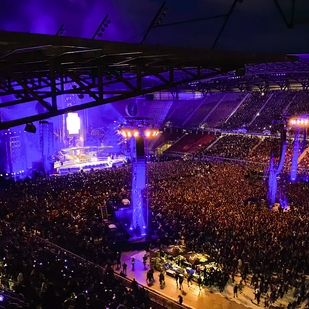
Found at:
(147, 133)
(136, 133)
(129, 134)
(104, 24)
(30, 128)
(61, 30)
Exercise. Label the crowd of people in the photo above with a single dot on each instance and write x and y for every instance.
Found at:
(276, 105)
(66, 211)
(231, 146)
(256, 149)
(247, 111)
(213, 217)
(47, 277)
(200, 203)
(259, 109)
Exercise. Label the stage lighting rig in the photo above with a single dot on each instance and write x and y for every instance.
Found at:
(104, 24)
(30, 127)
(61, 30)
(137, 127)
(299, 121)
(157, 19)
(128, 132)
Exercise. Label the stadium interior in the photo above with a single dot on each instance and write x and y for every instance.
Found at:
(115, 152)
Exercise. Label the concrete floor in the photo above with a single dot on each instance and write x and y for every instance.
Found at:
(192, 296)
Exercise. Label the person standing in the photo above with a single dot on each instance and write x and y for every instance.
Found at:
(161, 279)
(199, 281)
(133, 262)
(177, 278)
(180, 299)
(124, 268)
(118, 261)
(134, 285)
(181, 278)
(257, 296)
(189, 279)
(235, 290)
(266, 304)
(145, 260)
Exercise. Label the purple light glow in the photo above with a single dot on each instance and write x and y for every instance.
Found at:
(130, 19)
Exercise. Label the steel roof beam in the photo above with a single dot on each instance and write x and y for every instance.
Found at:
(53, 113)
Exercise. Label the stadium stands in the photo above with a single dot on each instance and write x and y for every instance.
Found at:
(165, 137)
(247, 111)
(191, 143)
(232, 146)
(275, 106)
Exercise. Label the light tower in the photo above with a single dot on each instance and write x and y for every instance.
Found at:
(299, 123)
(273, 170)
(137, 133)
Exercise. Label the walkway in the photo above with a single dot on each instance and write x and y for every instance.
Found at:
(192, 297)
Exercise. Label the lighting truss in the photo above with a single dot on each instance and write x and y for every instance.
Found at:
(300, 121)
(37, 69)
(136, 132)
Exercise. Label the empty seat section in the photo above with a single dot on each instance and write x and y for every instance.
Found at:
(190, 143)
(166, 137)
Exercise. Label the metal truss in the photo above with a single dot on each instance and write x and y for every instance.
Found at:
(260, 77)
(97, 89)
(40, 68)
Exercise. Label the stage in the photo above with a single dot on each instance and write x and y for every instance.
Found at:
(76, 159)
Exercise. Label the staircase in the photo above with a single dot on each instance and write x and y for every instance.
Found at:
(202, 102)
(168, 144)
(213, 109)
(288, 106)
(259, 112)
(257, 145)
(302, 155)
(234, 111)
(213, 143)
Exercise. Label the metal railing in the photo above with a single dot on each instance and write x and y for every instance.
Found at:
(154, 296)
(8, 293)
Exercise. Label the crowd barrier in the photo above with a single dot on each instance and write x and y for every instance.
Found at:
(158, 300)
(6, 291)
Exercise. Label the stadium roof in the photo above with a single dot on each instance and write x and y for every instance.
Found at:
(292, 75)
(32, 54)
(36, 68)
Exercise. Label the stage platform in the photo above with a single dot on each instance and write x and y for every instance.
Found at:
(88, 166)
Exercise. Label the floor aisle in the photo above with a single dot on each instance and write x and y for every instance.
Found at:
(192, 296)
